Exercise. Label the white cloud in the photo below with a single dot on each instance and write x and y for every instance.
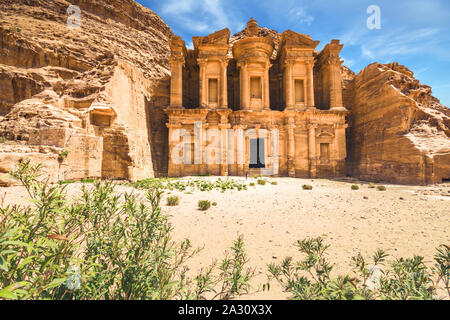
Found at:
(398, 43)
(302, 16)
(190, 45)
(367, 53)
(201, 15)
(349, 62)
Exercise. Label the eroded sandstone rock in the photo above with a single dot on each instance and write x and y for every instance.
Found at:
(93, 92)
(398, 131)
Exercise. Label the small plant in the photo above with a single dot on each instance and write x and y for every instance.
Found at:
(63, 155)
(401, 279)
(307, 187)
(355, 187)
(381, 188)
(252, 184)
(204, 205)
(262, 182)
(214, 204)
(173, 201)
(274, 183)
(371, 185)
(103, 246)
(190, 185)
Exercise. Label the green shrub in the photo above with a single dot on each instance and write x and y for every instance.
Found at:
(63, 155)
(173, 201)
(214, 204)
(103, 246)
(372, 185)
(307, 187)
(381, 188)
(355, 187)
(190, 185)
(262, 182)
(252, 184)
(204, 205)
(406, 279)
(274, 183)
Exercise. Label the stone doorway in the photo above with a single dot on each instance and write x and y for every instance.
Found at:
(257, 154)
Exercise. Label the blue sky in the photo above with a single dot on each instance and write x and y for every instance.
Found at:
(415, 33)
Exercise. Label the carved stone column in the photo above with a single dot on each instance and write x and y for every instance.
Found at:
(173, 169)
(224, 126)
(310, 84)
(224, 148)
(224, 82)
(203, 83)
(203, 167)
(176, 81)
(334, 67)
(290, 127)
(240, 148)
(289, 86)
(266, 105)
(312, 149)
(245, 87)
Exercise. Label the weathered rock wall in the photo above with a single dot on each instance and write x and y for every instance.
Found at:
(398, 132)
(96, 92)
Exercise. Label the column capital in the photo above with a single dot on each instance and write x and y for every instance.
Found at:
(309, 63)
(340, 126)
(239, 127)
(224, 61)
(242, 64)
(273, 126)
(334, 61)
(224, 126)
(174, 125)
(312, 126)
(202, 61)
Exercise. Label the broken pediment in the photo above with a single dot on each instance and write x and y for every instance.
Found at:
(290, 38)
(102, 115)
(221, 38)
(325, 132)
(176, 43)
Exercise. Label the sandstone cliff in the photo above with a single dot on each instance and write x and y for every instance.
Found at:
(88, 102)
(398, 131)
(96, 92)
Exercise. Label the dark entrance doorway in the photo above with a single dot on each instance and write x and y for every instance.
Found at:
(257, 154)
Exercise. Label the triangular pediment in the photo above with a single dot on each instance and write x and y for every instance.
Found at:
(221, 37)
(293, 39)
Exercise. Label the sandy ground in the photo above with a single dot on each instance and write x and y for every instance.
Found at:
(404, 220)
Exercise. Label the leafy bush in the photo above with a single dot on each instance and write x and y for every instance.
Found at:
(262, 182)
(274, 183)
(310, 278)
(63, 155)
(204, 205)
(214, 204)
(372, 185)
(173, 201)
(355, 187)
(190, 185)
(381, 188)
(307, 187)
(252, 184)
(103, 245)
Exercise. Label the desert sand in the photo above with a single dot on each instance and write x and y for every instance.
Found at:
(404, 220)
